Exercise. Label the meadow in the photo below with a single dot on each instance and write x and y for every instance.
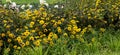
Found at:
(82, 27)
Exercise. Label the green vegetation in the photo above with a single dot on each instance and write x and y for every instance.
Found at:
(81, 28)
(32, 1)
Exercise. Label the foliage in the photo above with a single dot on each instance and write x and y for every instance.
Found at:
(83, 26)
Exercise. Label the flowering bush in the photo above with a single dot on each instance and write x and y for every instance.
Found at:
(42, 26)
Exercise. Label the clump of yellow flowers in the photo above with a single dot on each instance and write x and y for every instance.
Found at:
(39, 26)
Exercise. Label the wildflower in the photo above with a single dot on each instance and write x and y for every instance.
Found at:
(45, 30)
(102, 29)
(41, 22)
(33, 31)
(22, 44)
(75, 28)
(37, 42)
(73, 32)
(78, 30)
(27, 43)
(1, 43)
(55, 25)
(18, 47)
(65, 34)
(9, 40)
(3, 34)
(55, 36)
(45, 40)
(59, 30)
(26, 33)
(69, 28)
(31, 38)
(62, 19)
(32, 23)
(15, 46)
(4, 21)
(8, 26)
(11, 35)
(73, 21)
(42, 9)
(25, 27)
(8, 32)
(44, 14)
(59, 22)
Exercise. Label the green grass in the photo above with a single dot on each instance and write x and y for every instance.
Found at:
(23, 1)
(31, 1)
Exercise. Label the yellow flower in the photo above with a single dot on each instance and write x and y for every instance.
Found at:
(26, 33)
(9, 40)
(44, 14)
(45, 30)
(59, 30)
(37, 42)
(102, 29)
(55, 25)
(32, 23)
(75, 28)
(31, 38)
(22, 44)
(11, 35)
(89, 26)
(50, 34)
(62, 19)
(19, 39)
(33, 31)
(69, 28)
(8, 26)
(23, 37)
(78, 30)
(1, 43)
(73, 21)
(15, 46)
(55, 36)
(27, 43)
(4, 21)
(73, 32)
(3, 34)
(42, 9)
(59, 22)
(18, 47)
(65, 34)
(41, 22)
(53, 21)
(25, 27)
(36, 12)
(33, 18)
(45, 40)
